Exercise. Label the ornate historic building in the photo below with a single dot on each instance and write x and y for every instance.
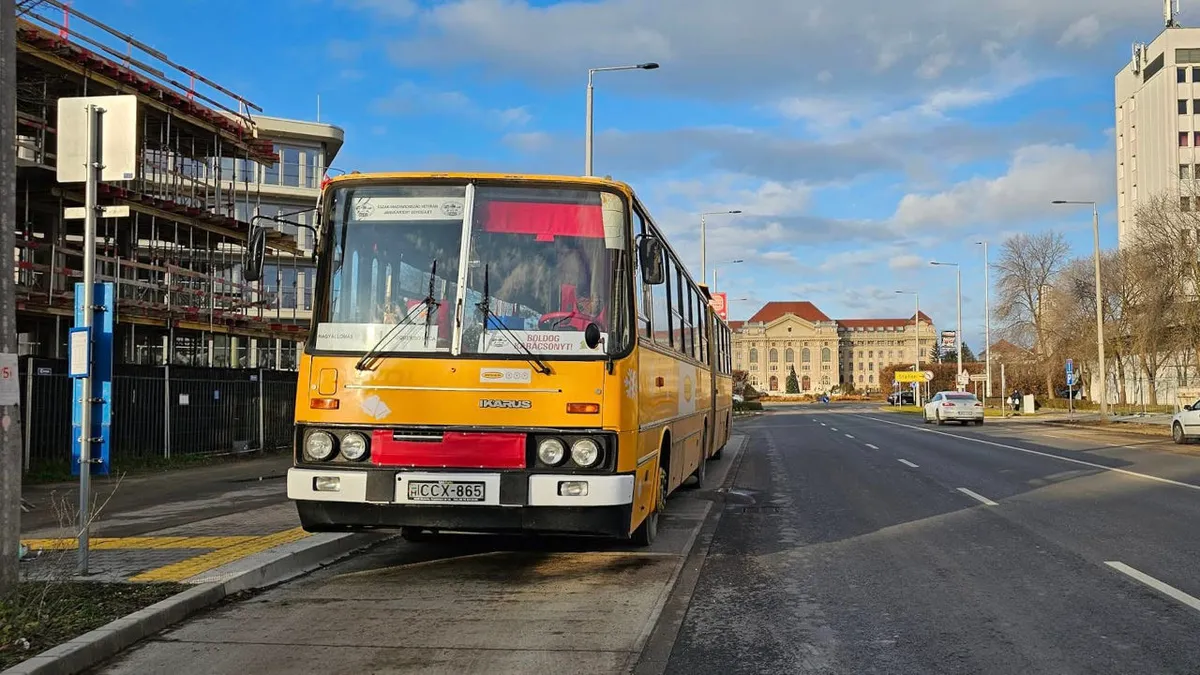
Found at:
(825, 352)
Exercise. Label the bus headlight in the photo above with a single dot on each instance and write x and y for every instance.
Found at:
(551, 451)
(354, 446)
(319, 446)
(585, 452)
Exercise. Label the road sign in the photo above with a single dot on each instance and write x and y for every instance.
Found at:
(963, 378)
(720, 305)
(909, 376)
(929, 376)
(1072, 379)
(1070, 367)
(979, 377)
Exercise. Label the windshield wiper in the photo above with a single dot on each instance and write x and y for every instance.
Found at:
(486, 309)
(428, 304)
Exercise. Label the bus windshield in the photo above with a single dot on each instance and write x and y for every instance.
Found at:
(546, 260)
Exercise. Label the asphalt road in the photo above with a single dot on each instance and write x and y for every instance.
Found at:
(866, 542)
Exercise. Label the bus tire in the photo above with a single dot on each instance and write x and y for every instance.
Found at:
(415, 534)
(647, 532)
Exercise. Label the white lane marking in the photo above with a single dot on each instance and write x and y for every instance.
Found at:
(976, 495)
(905, 462)
(1127, 472)
(822, 424)
(873, 447)
(833, 428)
(847, 435)
(1157, 585)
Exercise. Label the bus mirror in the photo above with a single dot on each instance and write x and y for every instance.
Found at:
(651, 253)
(252, 259)
(591, 336)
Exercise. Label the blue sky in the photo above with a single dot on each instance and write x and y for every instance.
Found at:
(860, 139)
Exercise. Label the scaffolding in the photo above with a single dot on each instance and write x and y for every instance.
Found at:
(176, 259)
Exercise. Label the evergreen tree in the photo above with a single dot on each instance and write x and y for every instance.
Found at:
(793, 385)
(935, 353)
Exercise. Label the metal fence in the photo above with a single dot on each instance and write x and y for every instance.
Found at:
(161, 411)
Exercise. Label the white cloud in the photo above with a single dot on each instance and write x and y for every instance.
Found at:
(1036, 175)
(528, 141)
(906, 261)
(761, 47)
(343, 50)
(408, 98)
(1085, 32)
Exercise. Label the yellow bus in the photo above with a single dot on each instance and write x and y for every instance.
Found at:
(501, 353)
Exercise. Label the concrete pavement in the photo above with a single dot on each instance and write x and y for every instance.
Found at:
(457, 604)
(870, 543)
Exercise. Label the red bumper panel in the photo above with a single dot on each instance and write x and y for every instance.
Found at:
(454, 450)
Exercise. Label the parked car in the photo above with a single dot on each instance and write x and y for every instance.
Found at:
(902, 398)
(1185, 425)
(960, 406)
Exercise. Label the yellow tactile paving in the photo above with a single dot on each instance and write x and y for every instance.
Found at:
(202, 563)
(120, 543)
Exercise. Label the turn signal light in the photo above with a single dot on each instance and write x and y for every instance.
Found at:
(324, 403)
(583, 408)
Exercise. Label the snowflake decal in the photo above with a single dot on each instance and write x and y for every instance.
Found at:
(631, 383)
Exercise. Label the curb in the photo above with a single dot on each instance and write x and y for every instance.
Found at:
(103, 643)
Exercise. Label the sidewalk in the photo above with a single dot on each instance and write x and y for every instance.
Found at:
(162, 547)
(173, 525)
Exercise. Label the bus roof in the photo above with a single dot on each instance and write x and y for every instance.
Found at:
(531, 177)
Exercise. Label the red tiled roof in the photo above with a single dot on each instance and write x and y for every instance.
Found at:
(882, 323)
(736, 325)
(773, 310)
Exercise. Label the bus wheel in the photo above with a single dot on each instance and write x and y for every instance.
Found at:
(647, 532)
(415, 534)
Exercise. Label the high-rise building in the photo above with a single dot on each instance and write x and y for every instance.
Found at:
(1158, 123)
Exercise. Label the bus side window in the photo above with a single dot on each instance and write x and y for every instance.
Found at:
(644, 303)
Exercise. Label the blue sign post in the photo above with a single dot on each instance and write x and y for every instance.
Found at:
(93, 358)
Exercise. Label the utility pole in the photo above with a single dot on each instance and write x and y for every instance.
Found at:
(10, 418)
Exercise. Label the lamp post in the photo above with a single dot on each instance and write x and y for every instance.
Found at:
(917, 328)
(987, 325)
(1099, 306)
(720, 264)
(587, 151)
(958, 333)
(703, 237)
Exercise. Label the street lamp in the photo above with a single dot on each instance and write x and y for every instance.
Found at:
(720, 264)
(703, 237)
(987, 324)
(587, 151)
(959, 335)
(1099, 307)
(917, 328)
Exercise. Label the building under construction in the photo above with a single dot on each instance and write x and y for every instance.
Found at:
(207, 165)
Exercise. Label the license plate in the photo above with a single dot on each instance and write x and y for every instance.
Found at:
(446, 491)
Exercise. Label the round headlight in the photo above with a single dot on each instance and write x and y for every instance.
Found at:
(354, 446)
(585, 452)
(551, 451)
(319, 446)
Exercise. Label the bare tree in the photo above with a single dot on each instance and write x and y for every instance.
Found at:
(1025, 273)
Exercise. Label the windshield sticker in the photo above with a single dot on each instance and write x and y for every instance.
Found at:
(540, 342)
(359, 337)
(614, 221)
(367, 209)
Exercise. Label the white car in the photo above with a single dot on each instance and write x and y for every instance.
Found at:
(960, 406)
(1185, 425)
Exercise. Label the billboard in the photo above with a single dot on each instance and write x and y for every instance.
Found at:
(720, 305)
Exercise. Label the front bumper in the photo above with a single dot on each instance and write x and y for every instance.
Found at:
(512, 501)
